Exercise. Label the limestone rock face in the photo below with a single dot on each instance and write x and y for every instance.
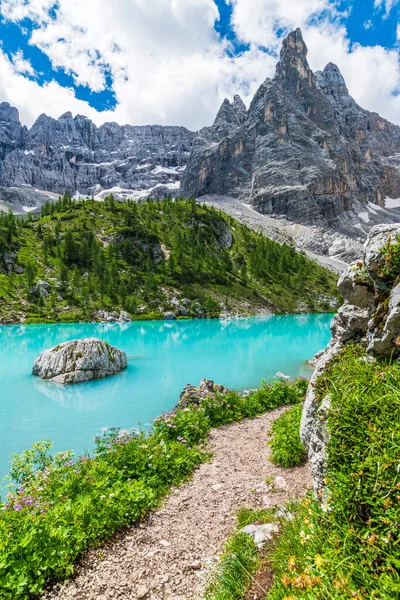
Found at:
(71, 154)
(79, 360)
(305, 150)
(370, 315)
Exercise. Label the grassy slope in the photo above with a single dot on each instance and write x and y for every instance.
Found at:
(349, 547)
(135, 275)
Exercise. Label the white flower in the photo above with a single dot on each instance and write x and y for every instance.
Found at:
(280, 375)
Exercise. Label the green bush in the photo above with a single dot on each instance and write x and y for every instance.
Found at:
(348, 546)
(63, 505)
(286, 447)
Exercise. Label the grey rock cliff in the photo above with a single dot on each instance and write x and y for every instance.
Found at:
(71, 154)
(305, 151)
(370, 315)
(79, 360)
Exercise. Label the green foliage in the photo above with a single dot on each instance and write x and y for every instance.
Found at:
(63, 505)
(286, 447)
(348, 546)
(126, 255)
(238, 562)
(391, 267)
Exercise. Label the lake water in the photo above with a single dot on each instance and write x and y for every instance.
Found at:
(162, 358)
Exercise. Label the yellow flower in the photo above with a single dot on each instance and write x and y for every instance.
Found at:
(289, 598)
(319, 561)
(286, 580)
(292, 563)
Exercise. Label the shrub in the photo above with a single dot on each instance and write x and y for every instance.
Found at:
(286, 447)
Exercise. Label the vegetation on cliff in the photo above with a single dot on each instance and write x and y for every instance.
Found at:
(82, 256)
(348, 546)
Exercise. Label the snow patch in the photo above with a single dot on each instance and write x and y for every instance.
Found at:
(28, 209)
(364, 216)
(392, 202)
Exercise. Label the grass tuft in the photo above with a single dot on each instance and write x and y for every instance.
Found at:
(286, 447)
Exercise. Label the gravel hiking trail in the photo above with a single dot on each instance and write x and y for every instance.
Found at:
(173, 552)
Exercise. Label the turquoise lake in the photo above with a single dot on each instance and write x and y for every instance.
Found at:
(162, 358)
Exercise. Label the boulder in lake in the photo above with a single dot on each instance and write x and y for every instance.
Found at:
(79, 360)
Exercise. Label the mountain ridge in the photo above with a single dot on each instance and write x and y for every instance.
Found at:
(306, 149)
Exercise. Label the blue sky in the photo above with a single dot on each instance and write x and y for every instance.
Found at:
(108, 63)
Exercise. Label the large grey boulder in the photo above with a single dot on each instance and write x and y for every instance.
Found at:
(41, 288)
(79, 360)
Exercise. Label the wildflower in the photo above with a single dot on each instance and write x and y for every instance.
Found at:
(319, 561)
(292, 563)
(18, 507)
(111, 495)
(286, 580)
(102, 497)
(104, 429)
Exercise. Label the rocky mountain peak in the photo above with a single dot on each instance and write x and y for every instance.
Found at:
(306, 151)
(331, 81)
(226, 114)
(66, 115)
(239, 108)
(293, 69)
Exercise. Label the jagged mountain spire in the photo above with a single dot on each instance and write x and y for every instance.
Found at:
(331, 81)
(293, 69)
(239, 108)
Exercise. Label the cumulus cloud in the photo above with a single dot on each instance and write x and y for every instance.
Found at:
(22, 65)
(168, 65)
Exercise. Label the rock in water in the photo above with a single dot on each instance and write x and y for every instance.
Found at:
(79, 360)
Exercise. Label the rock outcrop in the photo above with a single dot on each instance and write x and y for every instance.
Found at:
(370, 315)
(79, 360)
(71, 154)
(194, 395)
(304, 150)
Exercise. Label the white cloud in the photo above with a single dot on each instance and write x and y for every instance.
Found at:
(169, 66)
(386, 5)
(167, 63)
(32, 99)
(22, 65)
(259, 21)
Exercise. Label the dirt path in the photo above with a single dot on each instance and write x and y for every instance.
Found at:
(171, 554)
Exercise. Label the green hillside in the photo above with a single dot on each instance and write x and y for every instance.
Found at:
(145, 258)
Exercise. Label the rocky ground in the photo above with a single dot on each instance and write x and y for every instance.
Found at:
(172, 554)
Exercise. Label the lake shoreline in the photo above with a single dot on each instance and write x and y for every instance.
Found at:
(151, 317)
